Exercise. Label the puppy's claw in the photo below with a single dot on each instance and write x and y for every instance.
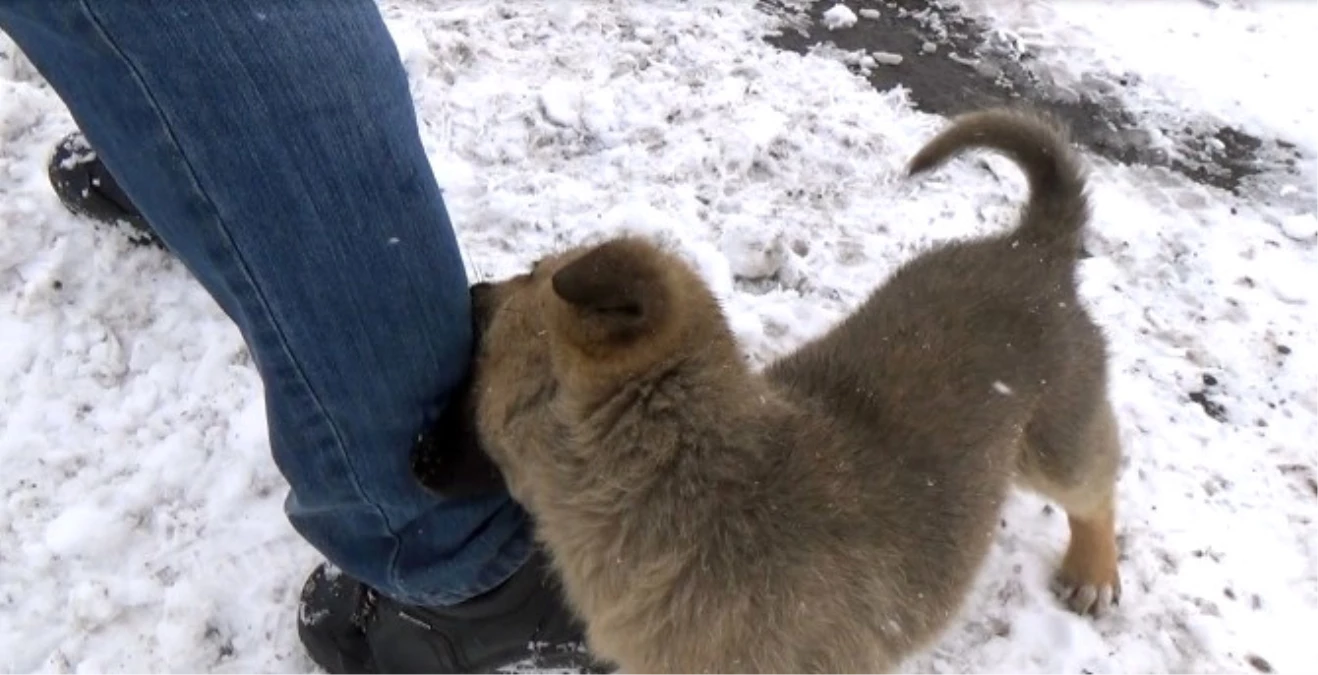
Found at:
(1088, 599)
(1090, 574)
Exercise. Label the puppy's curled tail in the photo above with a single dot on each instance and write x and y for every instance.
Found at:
(1058, 208)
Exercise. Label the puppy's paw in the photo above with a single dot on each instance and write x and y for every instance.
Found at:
(1096, 599)
(1089, 585)
(1089, 581)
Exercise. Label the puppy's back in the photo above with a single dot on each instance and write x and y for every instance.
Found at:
(960, 331)
(936, 375)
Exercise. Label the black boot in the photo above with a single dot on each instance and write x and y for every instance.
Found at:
(523, 625)
(86, 188)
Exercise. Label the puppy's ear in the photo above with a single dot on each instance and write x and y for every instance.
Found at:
(614, 294)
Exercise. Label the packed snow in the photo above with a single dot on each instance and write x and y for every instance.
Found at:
(141, 514)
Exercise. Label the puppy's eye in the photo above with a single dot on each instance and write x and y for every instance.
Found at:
(535, 267)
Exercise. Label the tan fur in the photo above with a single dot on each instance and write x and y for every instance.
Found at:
(828, 514)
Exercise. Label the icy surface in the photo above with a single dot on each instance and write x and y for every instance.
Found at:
(1246, 61)
(141, 514)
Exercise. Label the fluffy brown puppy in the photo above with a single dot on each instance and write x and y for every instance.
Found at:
(830, 513)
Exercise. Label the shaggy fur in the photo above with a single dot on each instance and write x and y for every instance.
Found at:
(830, 513)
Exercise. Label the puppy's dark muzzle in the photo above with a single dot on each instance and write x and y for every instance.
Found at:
(447, 458)
(482, 307)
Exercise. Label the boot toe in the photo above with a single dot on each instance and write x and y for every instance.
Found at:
(332, 613)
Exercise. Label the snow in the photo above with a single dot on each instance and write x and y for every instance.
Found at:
(888, 58)
(1243, 60)
(560, 103)
(839, 16)
(142, 515)
(752, 250)
(1300, 227)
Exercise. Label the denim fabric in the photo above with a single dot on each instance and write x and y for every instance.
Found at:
(273, 146)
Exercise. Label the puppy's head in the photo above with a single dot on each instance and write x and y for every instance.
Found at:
(557, 343)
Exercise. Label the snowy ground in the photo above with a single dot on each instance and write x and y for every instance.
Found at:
(141, 519)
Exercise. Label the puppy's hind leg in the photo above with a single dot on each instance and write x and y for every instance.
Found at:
(1075, 462)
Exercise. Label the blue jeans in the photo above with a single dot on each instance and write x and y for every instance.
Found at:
(273, 146)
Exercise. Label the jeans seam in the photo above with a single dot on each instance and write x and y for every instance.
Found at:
(241, 265)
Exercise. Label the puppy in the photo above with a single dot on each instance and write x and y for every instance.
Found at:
(830, 513)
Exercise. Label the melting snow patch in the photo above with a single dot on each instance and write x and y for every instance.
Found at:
(1300, 227)
(839, 16)
(888, 58)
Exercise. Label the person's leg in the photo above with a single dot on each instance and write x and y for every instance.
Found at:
(272, 145)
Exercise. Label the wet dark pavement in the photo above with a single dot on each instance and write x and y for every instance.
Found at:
(952, 63)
